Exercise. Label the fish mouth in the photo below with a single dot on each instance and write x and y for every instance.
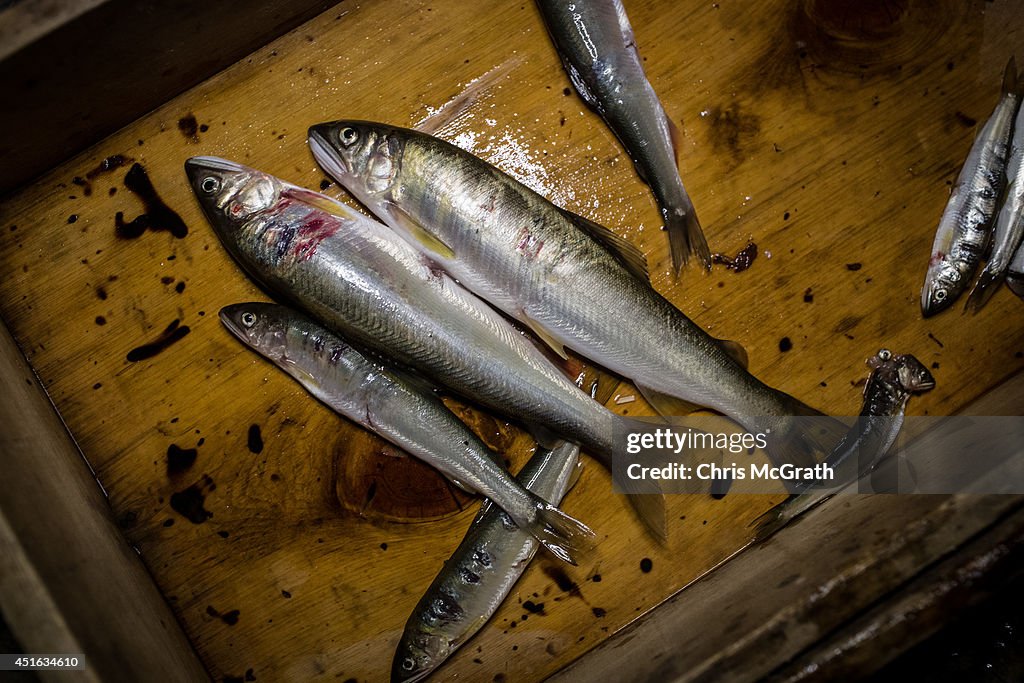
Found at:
(230, 317)
(198, 165)
(324, 152)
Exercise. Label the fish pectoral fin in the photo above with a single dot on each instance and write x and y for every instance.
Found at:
(317, 201)
(419, 233)
(545, 336)
(667, 405)
(622, 249)
(304, 377)
(735, 351)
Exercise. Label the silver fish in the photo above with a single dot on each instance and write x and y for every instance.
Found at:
(1009, 228)
(966, 226)
(893, 380)
(369, 394)
(1015, 273)
(571, 281)
(480, 573)
(365, 282)
(597, 47)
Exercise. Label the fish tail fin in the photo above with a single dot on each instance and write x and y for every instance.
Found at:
(650, 508)
(799, 441)
(567, 538)
(1010, 81)
(645, 496)
(984, 288)
(685, 237)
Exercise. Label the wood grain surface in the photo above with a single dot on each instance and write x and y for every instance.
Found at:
(827, 131)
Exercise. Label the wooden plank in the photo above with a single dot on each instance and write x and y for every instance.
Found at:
(77, 70)
(827, 137)
(69, 582)
(975, 573)
(764, 607)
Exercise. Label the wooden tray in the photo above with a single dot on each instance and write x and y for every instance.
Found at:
(828, 136)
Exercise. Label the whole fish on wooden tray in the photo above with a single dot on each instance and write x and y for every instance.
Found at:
(366, 283)
(893, 380)
(418, 422)
(597, 47)
(480, 573)
(966, 226)
(1009, 227)
(573, 282)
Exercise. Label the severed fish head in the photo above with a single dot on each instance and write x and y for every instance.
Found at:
(914, 377)
(260, 326)
(363, 156)
(903, 374)
(418, 654)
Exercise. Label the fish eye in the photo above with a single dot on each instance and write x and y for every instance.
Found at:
(408, 664)
(884, 354)
(940, 294)
(348, 135)
(209, 184)
(248, 318)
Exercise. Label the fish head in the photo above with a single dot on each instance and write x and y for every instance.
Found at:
(942, 285)
(364, 157)
(913, 376)
(261, 326)
(231, 193)
(417, 655)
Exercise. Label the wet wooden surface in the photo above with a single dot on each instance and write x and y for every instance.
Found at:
(828, 135)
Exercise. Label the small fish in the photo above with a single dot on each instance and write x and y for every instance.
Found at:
(480, 573)
(893, 380)
(388, 405)
(364, 282)
(573, 282)
(1015, 273)
(966, 226)
(597, 47)
(1009, 228)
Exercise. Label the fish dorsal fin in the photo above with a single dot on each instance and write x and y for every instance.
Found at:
(544, 335)
(676, 136)
(736, 352)
(624, 251)
(666, 405)
(544, 437)
(418, 232)
(318, 201)
(1010, 78)
(577, 471)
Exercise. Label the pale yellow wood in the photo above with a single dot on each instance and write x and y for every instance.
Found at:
(69, 582)
(827, 135)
